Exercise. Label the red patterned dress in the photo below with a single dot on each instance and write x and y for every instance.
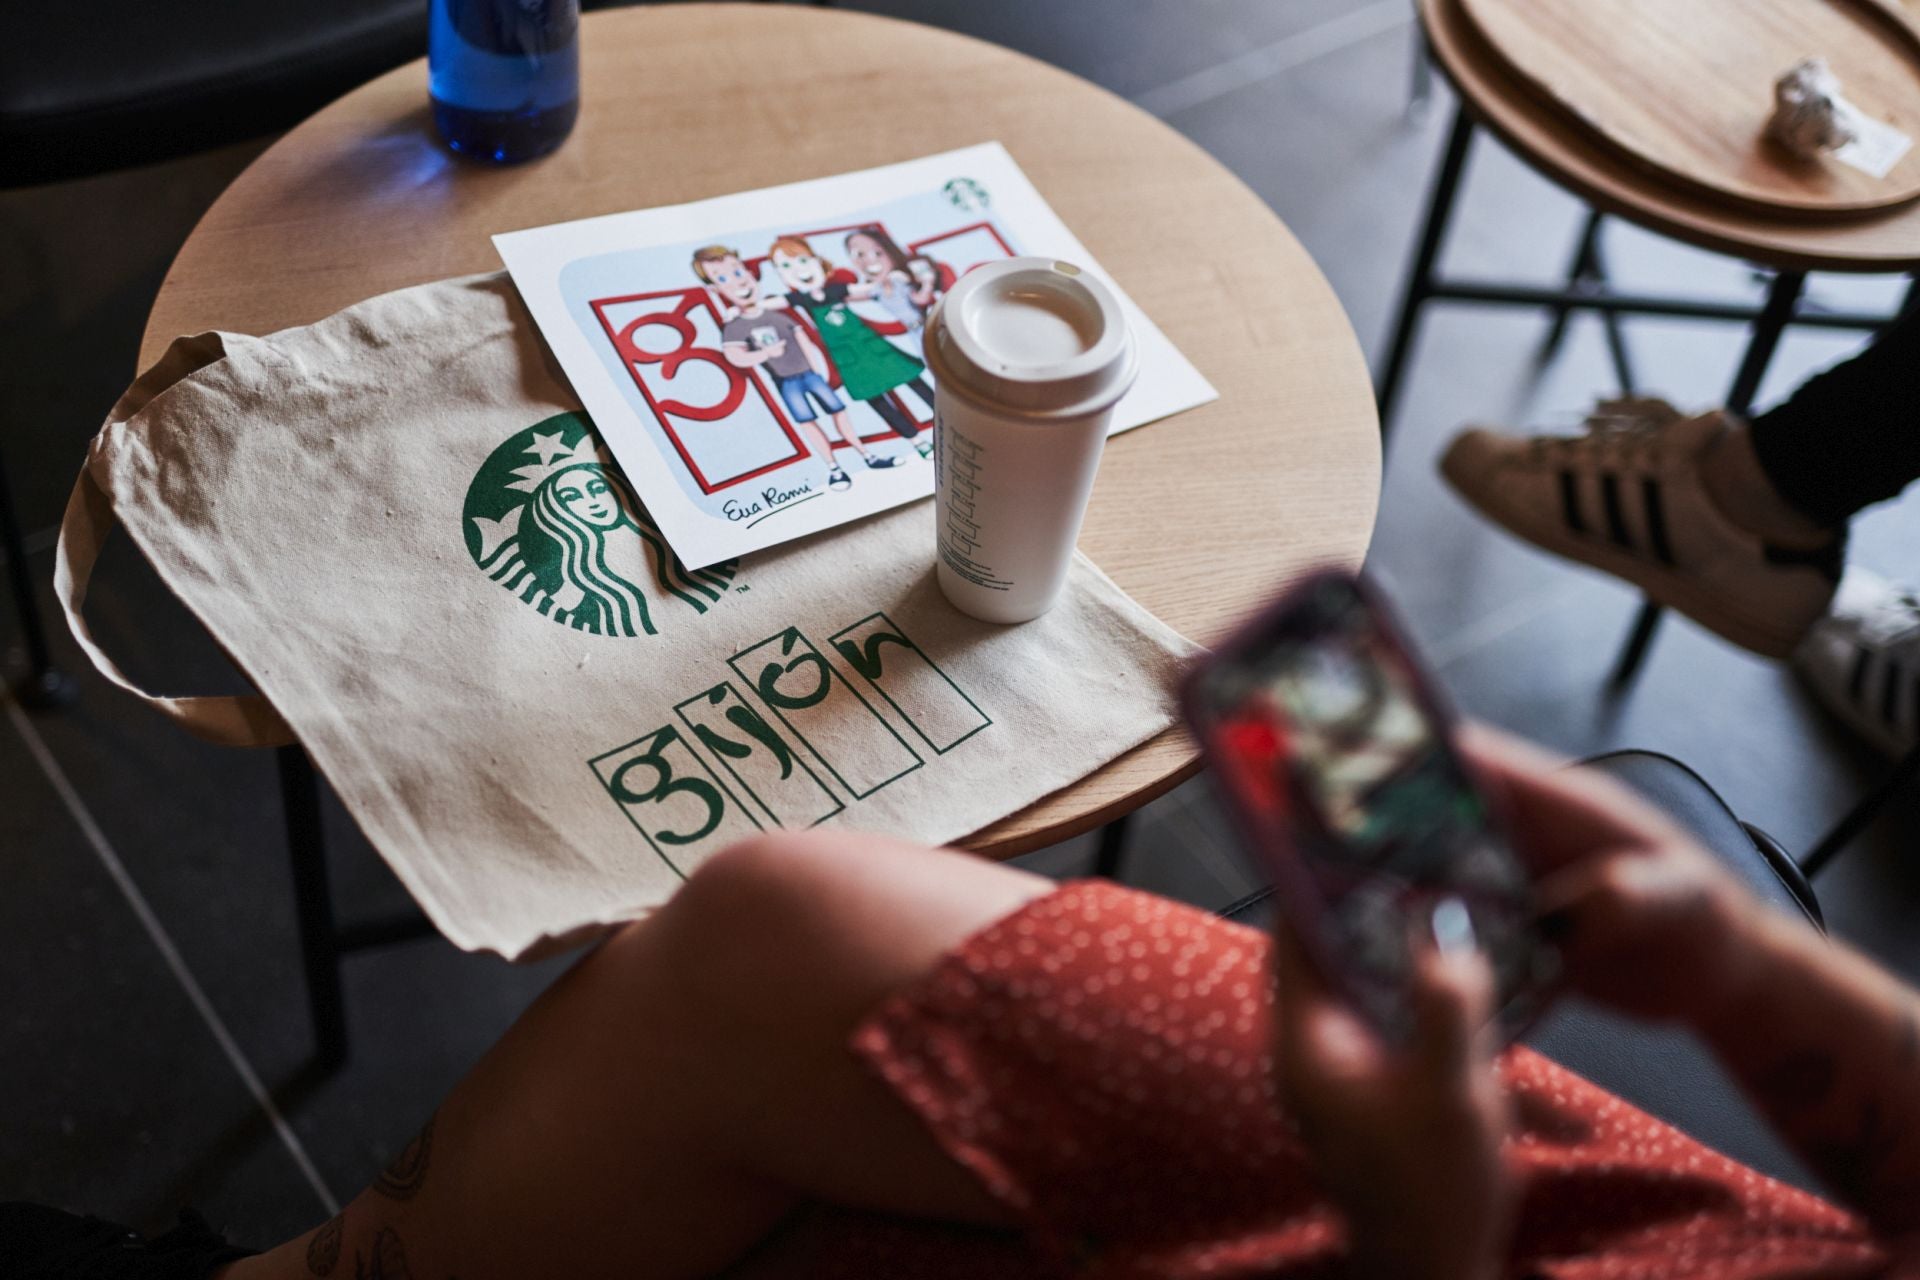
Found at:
(1101, 1061)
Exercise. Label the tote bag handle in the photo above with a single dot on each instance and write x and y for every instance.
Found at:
(244, 720)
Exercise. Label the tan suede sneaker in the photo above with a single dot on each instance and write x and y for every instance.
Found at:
(1626, 497)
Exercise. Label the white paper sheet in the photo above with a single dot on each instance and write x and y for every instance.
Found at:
(702, 401)
(1876, 147)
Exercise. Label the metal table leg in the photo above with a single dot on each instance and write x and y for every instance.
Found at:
(1112, 849)
(1783, 295)
(1419, 286)
(1587, 275)
(1862, 814)
(45, 686)
(1634, 651)
(313, 902)
(1421, 92)
(1777, 313)
(1579, 271)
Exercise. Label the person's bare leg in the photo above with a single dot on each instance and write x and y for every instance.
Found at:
(847, 433)
(666, 1103)
(817, 441)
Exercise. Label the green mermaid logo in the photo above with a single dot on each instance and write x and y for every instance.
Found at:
(551, 518)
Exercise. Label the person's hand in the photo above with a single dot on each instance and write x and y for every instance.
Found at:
(1406, 1138)
(774, 350)
(1647, 922)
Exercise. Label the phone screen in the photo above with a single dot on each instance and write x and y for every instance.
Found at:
(1337, 762)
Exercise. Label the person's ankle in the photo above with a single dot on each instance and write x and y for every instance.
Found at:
(1740, 489)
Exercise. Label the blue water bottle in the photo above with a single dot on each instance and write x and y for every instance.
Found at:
(504, 75)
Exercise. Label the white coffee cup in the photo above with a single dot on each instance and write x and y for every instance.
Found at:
(1029, 357)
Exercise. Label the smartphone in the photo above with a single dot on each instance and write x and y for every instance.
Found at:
(1334, 756)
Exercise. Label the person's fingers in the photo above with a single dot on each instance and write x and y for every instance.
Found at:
(1496, 746)
(1625, 925)
(1324, 1046)
(1646, 891)
(1453, 994)
(1337, 1056)
(1297, 985)
(1559, 814)
(1564, 898)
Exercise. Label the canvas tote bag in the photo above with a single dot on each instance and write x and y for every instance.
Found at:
(401, 526)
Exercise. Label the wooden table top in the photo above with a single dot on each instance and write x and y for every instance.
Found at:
(1585, 165)
(1200, 517)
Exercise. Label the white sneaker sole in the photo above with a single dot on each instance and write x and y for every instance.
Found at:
(1826, 659)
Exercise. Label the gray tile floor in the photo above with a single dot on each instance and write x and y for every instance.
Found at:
(155, 1037)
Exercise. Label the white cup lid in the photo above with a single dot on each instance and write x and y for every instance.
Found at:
(1035, 336)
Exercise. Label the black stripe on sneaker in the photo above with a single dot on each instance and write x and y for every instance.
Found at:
(1616, 519)
(1827, 561)
(1656, 519)
(1570, 503)
(1890, 695)
(1857, 674)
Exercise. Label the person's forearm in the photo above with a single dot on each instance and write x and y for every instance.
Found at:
(1828, 1046)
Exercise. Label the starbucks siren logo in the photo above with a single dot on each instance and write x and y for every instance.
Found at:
(551, 518)
(966, 195)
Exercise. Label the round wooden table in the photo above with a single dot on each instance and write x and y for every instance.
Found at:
(1576, 159)
(1200, 517)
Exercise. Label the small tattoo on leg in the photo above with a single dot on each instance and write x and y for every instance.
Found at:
(403, 1179)
(323, 1251)
(389, 1261)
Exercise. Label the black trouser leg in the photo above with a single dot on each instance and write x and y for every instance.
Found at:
(1419, 286)
(895, 417)
(313, 905)
(1849, 437)
(45, 685)
(920, 388)
(1768, 327)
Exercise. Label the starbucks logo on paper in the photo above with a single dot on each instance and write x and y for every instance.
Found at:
(552, 519)
(966, 195)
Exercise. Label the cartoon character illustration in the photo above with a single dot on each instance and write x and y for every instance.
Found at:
(880, 263)
(583, 551)
(929, 276)
(869, 365)
(753, 335)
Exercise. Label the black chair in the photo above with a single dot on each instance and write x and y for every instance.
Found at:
(45, 686)
(1662, 1070)
(89, 88)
